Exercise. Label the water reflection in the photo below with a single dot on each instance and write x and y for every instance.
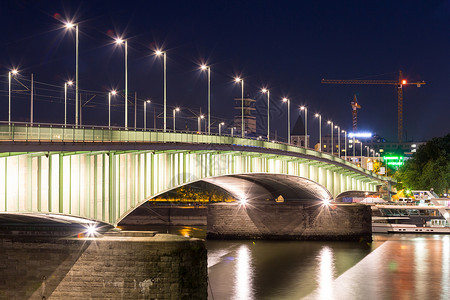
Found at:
(244, 275)
(392, 267)
(325, 273)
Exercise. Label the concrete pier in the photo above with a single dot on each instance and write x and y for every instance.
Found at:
(289, 220)
(117, 265)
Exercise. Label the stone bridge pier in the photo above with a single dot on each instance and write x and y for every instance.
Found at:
(127, 265)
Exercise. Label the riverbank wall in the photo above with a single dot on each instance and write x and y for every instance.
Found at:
(117, 265)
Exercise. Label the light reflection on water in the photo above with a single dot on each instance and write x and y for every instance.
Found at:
(392, 267)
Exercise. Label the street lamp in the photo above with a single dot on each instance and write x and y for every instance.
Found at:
(220, 127)
(239, 80)
(232, 131)
(69, 26)
(339, 139)
(264, 91)
(113, 92)
(120, 41)
(70, 82)
(207, 68)
(320, 131)
(306, 124)
(199, 123)
(163, 53)
(289, 119)
(174, 111)
(145, 113)
(332, 141)
(345, 144)
(11, 73)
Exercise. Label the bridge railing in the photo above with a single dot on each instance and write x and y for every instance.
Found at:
(24, 132)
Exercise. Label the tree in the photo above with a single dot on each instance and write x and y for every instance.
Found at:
(428, 168)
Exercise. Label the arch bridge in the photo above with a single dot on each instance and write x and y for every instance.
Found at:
(103, 174)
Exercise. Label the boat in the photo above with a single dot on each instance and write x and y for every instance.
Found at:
(425, 213)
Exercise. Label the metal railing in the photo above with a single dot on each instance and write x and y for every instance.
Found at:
(55, 133)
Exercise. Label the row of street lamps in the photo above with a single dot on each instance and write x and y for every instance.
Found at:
(120, 41)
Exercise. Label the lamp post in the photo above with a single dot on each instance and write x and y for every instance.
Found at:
(220, 127)
(163, 53)
(368, 150)
(289, 119)
(332, 141)
(232, 131)
(306, 124)
(69, 26)
(207, 68)
(264, 91)
(241, 81)
(109, 107)
(120, 41)
(345, 143)
(320, 131)
(13, 72)
(199, 123)
(339, 139)
(174, 112)
(65, 100)
(145, 113)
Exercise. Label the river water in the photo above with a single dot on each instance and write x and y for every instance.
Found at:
(391, 267)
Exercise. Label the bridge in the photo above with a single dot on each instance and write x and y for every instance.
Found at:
(103, 174)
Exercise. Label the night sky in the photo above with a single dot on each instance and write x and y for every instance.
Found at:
(287, 46)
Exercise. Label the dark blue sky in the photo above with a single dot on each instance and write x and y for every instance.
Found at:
(288, 46)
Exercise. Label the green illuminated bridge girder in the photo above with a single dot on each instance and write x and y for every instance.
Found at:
(103, 174)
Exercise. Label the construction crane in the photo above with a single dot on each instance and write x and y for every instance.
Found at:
(355, 105)
(399, 83)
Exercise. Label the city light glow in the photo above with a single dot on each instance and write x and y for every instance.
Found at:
(69, 25)
(360, 134)
(119, 41)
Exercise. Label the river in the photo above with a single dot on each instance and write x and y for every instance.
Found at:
(391, 267)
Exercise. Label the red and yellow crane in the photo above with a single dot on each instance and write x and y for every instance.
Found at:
(399, 83)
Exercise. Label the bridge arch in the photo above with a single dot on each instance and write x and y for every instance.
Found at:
(260, 186)
(105, 184)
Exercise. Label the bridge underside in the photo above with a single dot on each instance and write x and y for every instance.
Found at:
(107, 185)
(270, 186)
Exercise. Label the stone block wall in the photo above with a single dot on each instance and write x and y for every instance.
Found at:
(289, 220)
(117, 266)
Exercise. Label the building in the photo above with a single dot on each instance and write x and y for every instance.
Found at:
(249, 119)
(298, 134)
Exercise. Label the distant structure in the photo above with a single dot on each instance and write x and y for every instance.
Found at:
(249, 119)
(298, 133)
(355, 105)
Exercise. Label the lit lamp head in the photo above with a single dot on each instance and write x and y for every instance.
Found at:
(119, 41)
(69, 25)
(329, 122)
(222, 123)
(14, 71)
(264, 91)
(404, 81)
(158, 52)
(203, 67)
(285, 99)
(302, 107)
(113, 92)
(202, 116)
(317, 115)
(177, 109)
(237, 79)
(148, 101)
(70, 82)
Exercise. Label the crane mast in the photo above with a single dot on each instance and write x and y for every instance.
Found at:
(399, 83)
(355, 105)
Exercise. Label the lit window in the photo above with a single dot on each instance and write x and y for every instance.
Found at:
(324, 146)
